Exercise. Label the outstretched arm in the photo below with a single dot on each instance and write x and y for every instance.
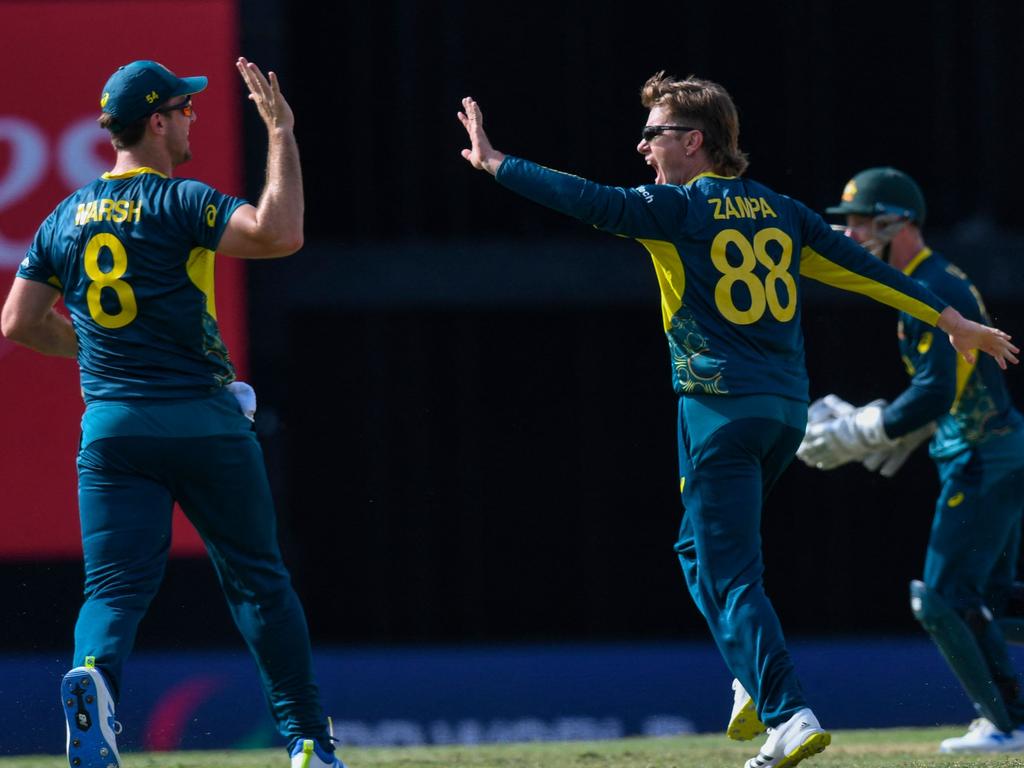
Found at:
(836, 260)
(481, 155)
(273, 227)
(646, 212)
(967, 337)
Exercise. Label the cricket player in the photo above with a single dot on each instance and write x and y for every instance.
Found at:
(729, 253)
(977, 447)
(132, 256)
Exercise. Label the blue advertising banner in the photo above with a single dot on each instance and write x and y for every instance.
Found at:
(406, 696)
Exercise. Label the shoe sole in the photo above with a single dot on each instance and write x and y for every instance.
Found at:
(87, 747)
(980, 750)
(815, 744)
(745, 724)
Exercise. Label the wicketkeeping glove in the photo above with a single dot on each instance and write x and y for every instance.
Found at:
(850, 436)
(827, 408)
(888, 463)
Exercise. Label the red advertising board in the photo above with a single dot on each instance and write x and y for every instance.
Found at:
(57, 56)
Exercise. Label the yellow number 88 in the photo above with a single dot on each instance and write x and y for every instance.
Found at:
(112, 280)
(762, 295)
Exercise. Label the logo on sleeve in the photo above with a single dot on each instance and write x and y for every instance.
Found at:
(925, 343)
(955, 500)
(211, 215)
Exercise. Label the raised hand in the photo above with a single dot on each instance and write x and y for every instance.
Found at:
(967, 337)
(481, 155)
(266, 95)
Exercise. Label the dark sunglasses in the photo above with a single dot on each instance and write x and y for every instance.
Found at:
(650, 131)
(185, 107)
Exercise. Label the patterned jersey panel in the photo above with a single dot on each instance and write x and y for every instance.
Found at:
(970, 404)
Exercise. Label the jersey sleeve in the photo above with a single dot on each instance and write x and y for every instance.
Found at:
(655, 211)
(933, 366)
(205, 211)
(38, 262)
(832, 258)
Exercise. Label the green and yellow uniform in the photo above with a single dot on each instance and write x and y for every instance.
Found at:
(978, 449)
(729, 254)
(133, 257)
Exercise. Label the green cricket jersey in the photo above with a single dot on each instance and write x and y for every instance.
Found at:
(133, 256)
(728, 253)
(970, 403)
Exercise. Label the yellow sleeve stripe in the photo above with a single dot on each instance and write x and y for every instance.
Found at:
(963, 373)
(671, 277)
(817, 267)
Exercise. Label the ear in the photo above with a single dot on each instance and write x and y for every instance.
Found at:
(156, 123)
(694, 141)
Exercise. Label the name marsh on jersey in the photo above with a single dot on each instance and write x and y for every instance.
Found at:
(106, 209)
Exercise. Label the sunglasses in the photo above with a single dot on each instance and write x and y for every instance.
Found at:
(651, 131)
(185, 107)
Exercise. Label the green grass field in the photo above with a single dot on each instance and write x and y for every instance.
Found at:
(892, 748)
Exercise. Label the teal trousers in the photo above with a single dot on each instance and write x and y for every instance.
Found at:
(127, 487)
(731, 452)
(975, 537)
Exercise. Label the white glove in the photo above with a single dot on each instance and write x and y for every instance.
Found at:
(890, 461)
(851, 436)
(832, 406)
(246, 397)
(827, 408)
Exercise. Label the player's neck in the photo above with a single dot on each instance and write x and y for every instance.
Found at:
(140, 156)
(904, 250)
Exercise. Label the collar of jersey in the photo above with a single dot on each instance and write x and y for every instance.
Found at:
(708, 174)
(134, 172)
(916, 261)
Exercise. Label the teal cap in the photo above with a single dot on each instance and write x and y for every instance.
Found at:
(877, 191)
(137, 89)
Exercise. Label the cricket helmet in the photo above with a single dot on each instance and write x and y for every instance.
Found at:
(882, 192)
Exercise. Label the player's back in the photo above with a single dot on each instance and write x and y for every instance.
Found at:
(134, 257)
(736, 329)
(728, 253)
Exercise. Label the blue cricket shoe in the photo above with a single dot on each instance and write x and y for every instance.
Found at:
(308, 754)
(89, 712)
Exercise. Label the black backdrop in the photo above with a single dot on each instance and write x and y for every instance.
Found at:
(823, 88)
(460, 459)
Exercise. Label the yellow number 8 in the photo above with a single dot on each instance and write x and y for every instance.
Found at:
(761, 295)
(112, 280)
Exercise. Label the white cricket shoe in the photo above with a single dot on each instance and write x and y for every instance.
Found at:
(798, 738)
(744, 724)
(983, 736)
(89, 716)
